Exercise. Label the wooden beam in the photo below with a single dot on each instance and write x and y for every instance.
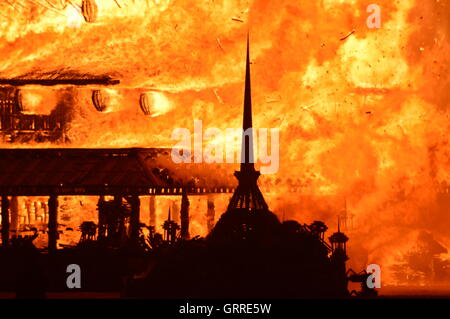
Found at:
(135, 204)
(52, 223)
(210, 213)
(14, 211)
(102, 223)
(53, 82)
(5, 220)
(184, 216)
(152, 209)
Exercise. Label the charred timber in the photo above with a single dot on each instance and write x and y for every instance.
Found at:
(184, 215)
(53, 223)
(5, 220)
(53, 82)
(39, 172)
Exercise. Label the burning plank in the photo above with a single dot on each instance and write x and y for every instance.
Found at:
(220, 44)
(349, 34)
(218, 96)
(53, 82)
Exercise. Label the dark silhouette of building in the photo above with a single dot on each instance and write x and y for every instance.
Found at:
(338, 257)
(249, 253)
(248, 216)
(171, 229)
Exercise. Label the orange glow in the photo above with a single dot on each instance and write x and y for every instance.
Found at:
(363, 121)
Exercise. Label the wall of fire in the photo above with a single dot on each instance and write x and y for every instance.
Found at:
(27, 213)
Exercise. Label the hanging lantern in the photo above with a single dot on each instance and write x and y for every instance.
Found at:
(89, 9)
(99, 100)
(18, 100)
(144, 103)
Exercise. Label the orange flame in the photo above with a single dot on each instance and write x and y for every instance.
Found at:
(364, 118)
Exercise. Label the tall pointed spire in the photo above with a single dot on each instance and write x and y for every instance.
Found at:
(247, 152)
(248, 91)
(247, 215)
(247, 194)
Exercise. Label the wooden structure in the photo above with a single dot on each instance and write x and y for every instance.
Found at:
(121, 173)
(99, 100)
(89, 10)
(14, 124)
(144, 103)
(59, 81)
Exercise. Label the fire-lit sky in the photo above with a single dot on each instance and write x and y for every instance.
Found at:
(363, 119)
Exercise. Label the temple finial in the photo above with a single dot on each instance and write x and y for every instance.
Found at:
(339, 224)
(248, 92)
(247, 195)
(247, 137)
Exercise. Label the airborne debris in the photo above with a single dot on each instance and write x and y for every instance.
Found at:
(273, 99)
(220, 44)
(237, 19)
(349, 34)
(46, 5)
(62, 4)
(77, 8)
(218, 96)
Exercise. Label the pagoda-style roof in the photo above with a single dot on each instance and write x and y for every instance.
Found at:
(338, 237)
(130, 171)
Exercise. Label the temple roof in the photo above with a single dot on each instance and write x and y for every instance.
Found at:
(137, 171)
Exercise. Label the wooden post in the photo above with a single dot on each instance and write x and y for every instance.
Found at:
(102, 223)
(28, 210)
(210, 214)
(152, 203)
(184, 216)
(175, 211)
(52, 223)
(118, 234)
(36, 210)
(135, 217)
(5, 220)
(45, 207)
(14, 209)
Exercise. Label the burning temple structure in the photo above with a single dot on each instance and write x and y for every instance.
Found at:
(247, 253)
(16, 125)
(247, 211)
(124, 174)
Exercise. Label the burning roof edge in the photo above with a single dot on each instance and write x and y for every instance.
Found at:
(105, 171)
(59, 81)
